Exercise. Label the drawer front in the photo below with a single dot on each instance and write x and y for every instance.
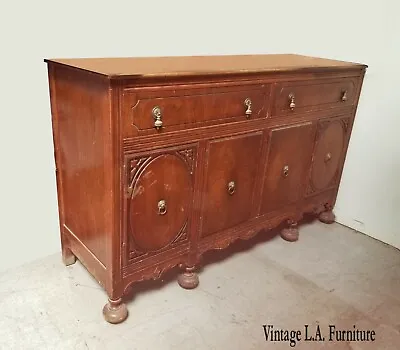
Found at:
(288, 161)
(158, 205)
(329, 152)
(231, 169)
(169, 109)
(306, 96)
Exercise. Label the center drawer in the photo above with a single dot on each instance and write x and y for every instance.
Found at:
(149, 110)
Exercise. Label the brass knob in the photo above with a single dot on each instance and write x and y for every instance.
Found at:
(247, 104)
(328, 157)
(292, 101)
(344, 96)
(156, 112)
(162, 207)
(231, 187)
(285, 171)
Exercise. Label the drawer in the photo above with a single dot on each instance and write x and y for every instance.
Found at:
(306, 96)
(169, 109)
(231, 171)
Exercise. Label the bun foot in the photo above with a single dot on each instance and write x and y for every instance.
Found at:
(115, 311)
(68, 257)
(327, 217)
(188, 279)
(291, 233)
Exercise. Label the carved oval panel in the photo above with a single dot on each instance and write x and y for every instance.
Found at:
(158, 208)
(328, 155)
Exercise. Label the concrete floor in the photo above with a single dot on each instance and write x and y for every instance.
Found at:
(331, 276)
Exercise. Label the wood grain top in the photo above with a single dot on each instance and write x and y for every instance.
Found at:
(202, 65)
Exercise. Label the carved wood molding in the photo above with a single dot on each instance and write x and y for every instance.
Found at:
(345, 124)
(246, 233)
(222, 241)
(228, 240)
(138, 143)
(137, 164)
(188, 156)
(136, 254)
(153, 273)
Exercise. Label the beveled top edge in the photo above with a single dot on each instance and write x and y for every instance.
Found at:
(176, 66)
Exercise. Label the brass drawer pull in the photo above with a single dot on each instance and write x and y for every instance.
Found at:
(344, 96)
(162, 207)
(292, 104)
(285, 171)
(231, 187)
(328, 157)
(157, 117)
(247, 104)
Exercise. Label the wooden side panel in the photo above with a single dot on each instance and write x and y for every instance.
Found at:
(81, 110)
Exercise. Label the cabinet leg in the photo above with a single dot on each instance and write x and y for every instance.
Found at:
(67, 256)
(115, 311)
(327, 217)
(291, 233)
(188, 279)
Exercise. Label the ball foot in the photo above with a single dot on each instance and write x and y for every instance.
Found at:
(290, 234)
(327, 217)
(188, 279)
(115, 311)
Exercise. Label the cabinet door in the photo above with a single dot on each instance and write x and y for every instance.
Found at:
(288, 159)
(229, 184)
(160, 195)
(328, 154)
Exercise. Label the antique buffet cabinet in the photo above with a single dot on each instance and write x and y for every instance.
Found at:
(159, 160)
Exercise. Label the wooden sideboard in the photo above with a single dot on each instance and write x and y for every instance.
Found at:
(159, 160)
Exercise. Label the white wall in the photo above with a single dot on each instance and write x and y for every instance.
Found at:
(32, 30)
